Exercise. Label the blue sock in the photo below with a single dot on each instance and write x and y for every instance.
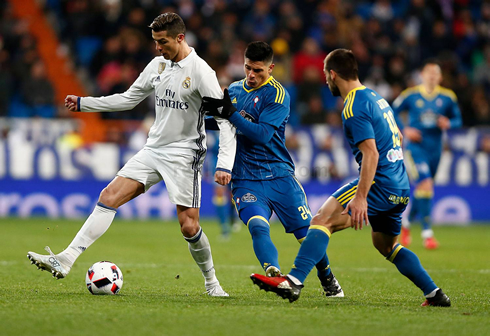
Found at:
(311, 252)
(323, 267)
(222, 210)
(414, 210)
(264, 248)
(424, 209)
(409, 265)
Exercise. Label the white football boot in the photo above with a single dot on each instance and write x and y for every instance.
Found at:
(49, 263)
(214, 289)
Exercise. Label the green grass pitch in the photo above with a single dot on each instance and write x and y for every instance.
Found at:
(155, 301)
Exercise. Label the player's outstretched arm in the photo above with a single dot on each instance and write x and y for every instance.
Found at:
(222, 108)
(71, 103)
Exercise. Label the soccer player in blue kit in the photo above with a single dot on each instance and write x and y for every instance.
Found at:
(431, 109)
(378, 196)
(263, 178)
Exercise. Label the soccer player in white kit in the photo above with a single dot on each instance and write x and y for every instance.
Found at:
(174, 151)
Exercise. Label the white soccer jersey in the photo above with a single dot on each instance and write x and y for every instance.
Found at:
(179, 123)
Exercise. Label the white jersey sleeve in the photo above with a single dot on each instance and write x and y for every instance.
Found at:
(209, 87)
(138, 91)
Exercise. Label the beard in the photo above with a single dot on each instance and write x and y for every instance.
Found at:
(334, 89)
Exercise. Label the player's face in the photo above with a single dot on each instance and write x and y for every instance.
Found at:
(257, 72)
(168, 46)
(330, 82)
(431, 75)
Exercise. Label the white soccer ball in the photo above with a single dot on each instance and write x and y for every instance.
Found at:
(104, 277)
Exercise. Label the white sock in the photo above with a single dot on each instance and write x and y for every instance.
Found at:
(95, 226)
(405, 222)
(294, 279)
(427, 234)
(201, 252)
(432, 294)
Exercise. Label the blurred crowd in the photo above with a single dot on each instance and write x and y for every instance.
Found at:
(110, 43)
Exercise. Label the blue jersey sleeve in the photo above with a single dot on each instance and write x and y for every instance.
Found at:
(260, 133)
(275, 113)
(455, 117)
(360, 127)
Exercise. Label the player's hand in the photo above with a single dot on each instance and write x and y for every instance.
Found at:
(413, 134)
(71, 103)
(222, 108)
(443, 123)
(222, 177)
(358, 212)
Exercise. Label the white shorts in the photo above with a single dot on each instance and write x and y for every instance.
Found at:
(181, 173)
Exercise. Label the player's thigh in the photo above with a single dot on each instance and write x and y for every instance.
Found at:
(385, 209)
(418, 165)
(289, 202)
(330, 215)
(141, 168)
(249, 200)
(383, 242)
(182, 176)
(120, 191)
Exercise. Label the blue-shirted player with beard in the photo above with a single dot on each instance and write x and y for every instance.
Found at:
(432, 110)
(263, 178)
(378, 196)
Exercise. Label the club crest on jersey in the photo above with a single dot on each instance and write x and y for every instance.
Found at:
(249, 198)
(256, 100)
(246, 115)
(186, 83)
(161, 67)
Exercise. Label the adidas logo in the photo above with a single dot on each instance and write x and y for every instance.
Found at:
(209, 270)
(82, 248)
(233, 101)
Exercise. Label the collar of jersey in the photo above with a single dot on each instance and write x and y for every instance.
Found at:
(183, 62)
(253, 89)
(429, 96)
(354, 90)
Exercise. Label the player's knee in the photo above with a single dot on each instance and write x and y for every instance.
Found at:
(329, 223)
(189, 228)
(426, 185)
(108, 198)
(385, 250)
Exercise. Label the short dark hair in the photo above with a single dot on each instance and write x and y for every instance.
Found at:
(428, 61)
(170, 22)
(259, 51)
(344, 63)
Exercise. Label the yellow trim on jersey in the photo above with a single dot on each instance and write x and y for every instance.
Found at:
(234, 204)
(299, 184)
(348, 108)
(321, 228)
(301, 240)
(395, 252)
(258, 217)
(410, 164)
(253, 89)
(405, 93)
(280, 92)
(347, 194)
(429, 96)
(449, 93)
(423, 193)
(346, 102)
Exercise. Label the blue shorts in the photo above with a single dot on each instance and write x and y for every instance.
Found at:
(285, 196)
(385, 205)
(421, 164)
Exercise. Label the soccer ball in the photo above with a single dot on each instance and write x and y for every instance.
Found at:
(104, 277)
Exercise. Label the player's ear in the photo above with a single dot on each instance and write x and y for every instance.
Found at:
(270, 68)
(180, 37)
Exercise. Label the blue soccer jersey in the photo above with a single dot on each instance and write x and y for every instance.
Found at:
(423, 110)
(366, 115)
(267, 104)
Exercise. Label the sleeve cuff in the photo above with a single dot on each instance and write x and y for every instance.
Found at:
(78, 103)
(224, 170)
